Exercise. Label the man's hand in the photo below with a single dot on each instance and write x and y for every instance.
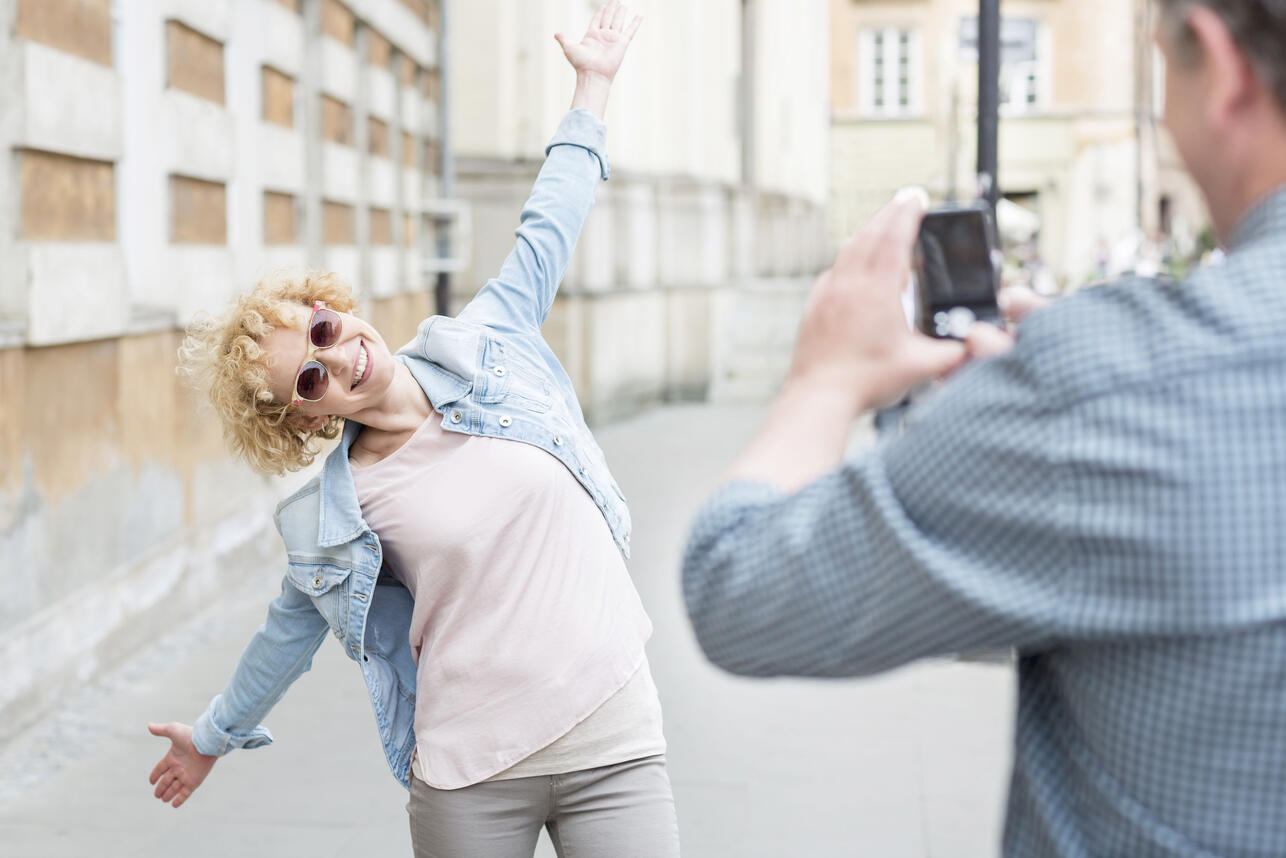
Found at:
(854, 341)
(1015, 303)
(598, 56)
(183, 768)
(855, 352)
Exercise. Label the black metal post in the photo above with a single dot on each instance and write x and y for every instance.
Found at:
(442, 288)
(989, 100)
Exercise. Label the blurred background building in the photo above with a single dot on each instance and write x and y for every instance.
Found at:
(1091, 181)
(161, 155)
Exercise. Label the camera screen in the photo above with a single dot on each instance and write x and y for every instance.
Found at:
(956, 260)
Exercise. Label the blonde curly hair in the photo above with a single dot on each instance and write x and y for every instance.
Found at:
(223, 357)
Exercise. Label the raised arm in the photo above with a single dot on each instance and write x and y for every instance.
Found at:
(279, 652)
(520, 297)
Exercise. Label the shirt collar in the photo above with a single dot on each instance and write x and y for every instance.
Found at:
(1267, 217)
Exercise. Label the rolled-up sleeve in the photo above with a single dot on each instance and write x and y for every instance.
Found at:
(949, 538)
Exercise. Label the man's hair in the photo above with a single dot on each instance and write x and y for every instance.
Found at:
(1257, 26)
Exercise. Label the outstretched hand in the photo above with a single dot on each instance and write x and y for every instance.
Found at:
(183, 768)
(602, 50)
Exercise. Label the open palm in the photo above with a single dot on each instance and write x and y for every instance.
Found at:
(602, 49)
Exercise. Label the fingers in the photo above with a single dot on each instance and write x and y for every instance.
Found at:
(986, 341)
(619, 17)
(1017, 301)
(599, 18)
(164, 785)
(172, 791)
(161, 768)
(183, 796)
(634, 26)
(933, 358)
(885, 244)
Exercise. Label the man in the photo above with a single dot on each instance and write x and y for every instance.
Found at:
(1108, 496)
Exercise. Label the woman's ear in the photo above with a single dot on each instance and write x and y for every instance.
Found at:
(313, 423)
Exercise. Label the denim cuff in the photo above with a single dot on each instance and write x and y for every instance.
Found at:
(582, 128)
(213, 741)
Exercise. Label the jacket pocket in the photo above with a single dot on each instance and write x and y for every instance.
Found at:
(505, 378)
(316, 579)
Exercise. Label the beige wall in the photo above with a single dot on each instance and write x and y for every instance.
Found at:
(1080, 149)
(677, 236)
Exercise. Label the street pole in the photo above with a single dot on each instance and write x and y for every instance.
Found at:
(446, 164)
(989, 100)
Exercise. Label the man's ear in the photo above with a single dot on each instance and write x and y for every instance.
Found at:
(1233, 83)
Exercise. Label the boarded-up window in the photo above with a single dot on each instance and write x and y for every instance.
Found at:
(195, 62)
(381, 226)
(419, 7)
(66, 199)
(198, 211)
(279, 226)
(292, 5)
(435, 14)
(377, 131)
(337, 121)
(380, 51)
(337, 223)
(80, 27)
(408, 150)
(338, 22)
(278, 97)
(432, 157)
(408, 71)
(408, 230)
(431, 85)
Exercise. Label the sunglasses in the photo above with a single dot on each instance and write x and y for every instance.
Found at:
(323, 332)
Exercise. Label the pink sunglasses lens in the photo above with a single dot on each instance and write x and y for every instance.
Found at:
(312, 382)
(324, 331)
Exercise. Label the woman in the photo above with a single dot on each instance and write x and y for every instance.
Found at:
(464, 540)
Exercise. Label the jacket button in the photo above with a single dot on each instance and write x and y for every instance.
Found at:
(505, 421)
(456, 416)
(582, 470)
(317, 581)
(558, 441)
(500, 370)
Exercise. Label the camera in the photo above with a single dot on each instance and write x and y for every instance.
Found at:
(957, 271)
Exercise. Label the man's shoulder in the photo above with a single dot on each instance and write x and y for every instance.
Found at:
(1139, 332)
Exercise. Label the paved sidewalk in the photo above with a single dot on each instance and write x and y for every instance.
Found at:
(911, 764)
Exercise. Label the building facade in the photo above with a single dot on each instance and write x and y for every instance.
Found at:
(1081, 143)
(691, 270)
(158, 156)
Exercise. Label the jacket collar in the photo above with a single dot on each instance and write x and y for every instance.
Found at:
(339, 517)
(441, 366)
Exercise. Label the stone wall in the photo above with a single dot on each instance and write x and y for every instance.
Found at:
(162, 155)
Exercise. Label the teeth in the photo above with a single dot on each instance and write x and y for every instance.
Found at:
(361, 365)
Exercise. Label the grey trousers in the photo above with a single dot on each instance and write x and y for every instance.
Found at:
(620, 811)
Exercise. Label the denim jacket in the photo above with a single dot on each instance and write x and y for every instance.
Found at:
(487, 372)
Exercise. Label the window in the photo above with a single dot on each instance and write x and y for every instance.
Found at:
(1021, 83)
(890, 72)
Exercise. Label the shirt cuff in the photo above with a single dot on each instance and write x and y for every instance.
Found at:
(582, 128)
(213, 741)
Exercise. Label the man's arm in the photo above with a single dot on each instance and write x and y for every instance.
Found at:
(802, 566)
(520, 297)
(950, 538)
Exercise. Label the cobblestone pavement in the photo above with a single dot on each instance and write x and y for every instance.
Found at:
(910, 764)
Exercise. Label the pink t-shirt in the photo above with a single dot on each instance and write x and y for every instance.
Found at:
(525, 618)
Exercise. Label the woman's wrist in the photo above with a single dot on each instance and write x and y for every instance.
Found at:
(591, 93)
